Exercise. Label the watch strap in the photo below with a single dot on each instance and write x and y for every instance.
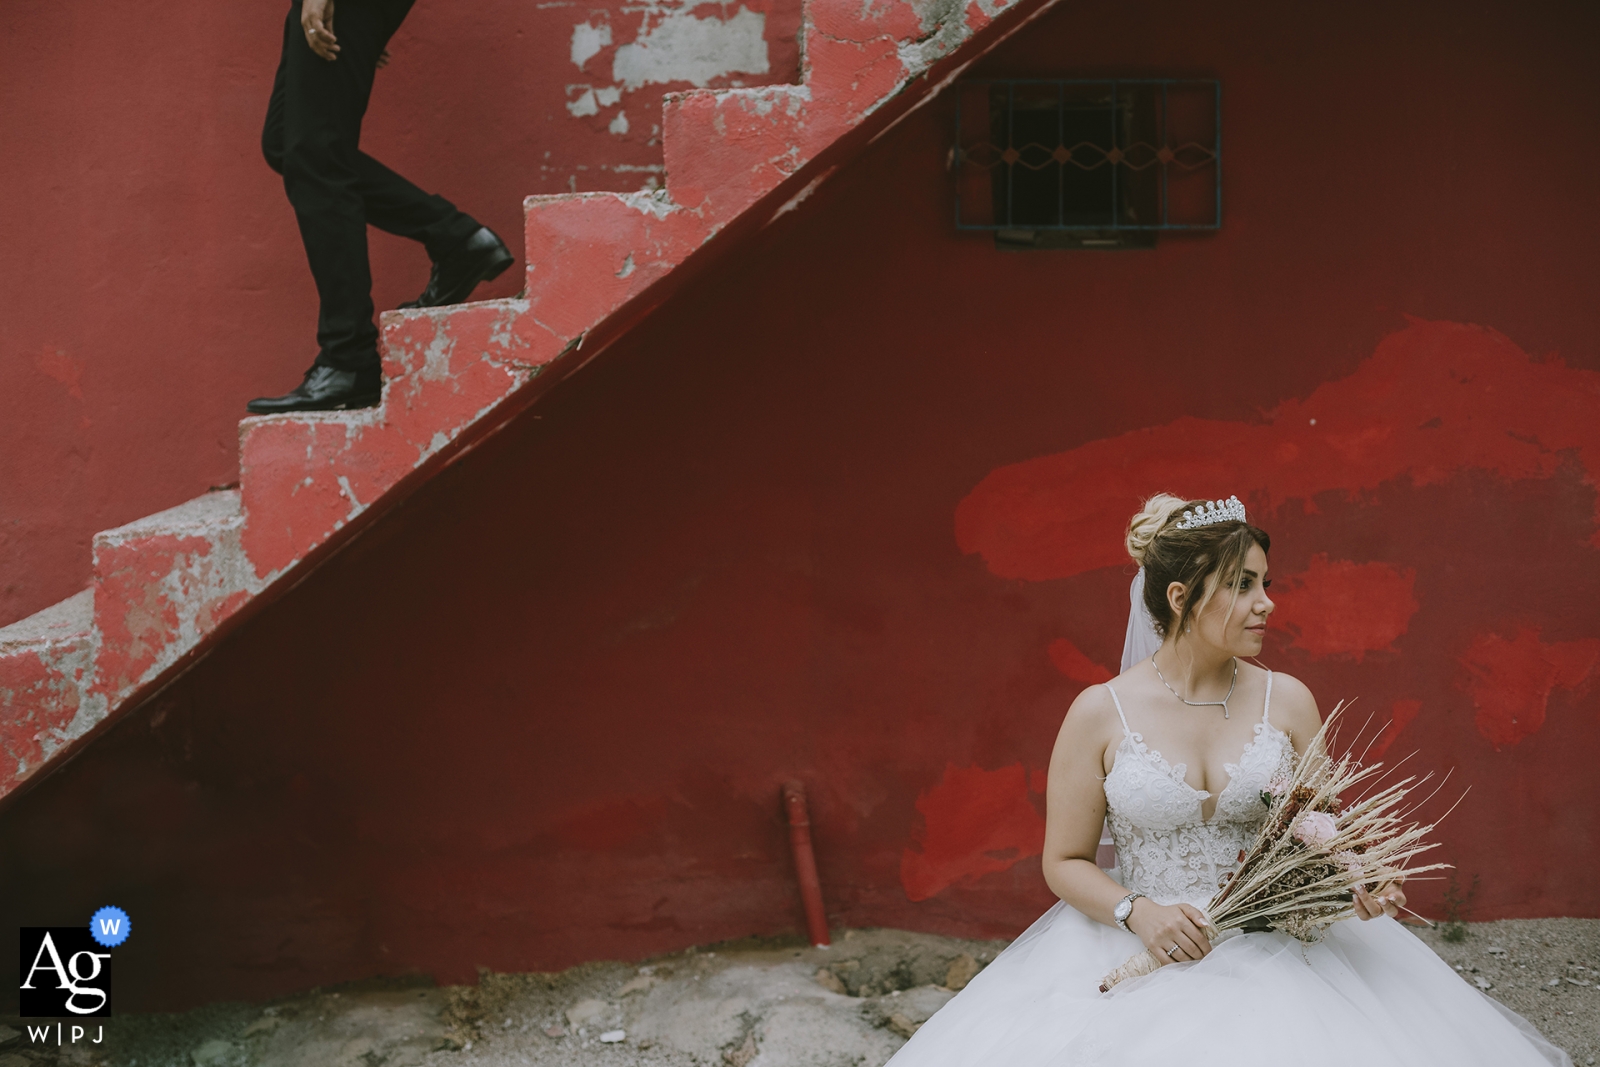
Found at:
(1122, 920)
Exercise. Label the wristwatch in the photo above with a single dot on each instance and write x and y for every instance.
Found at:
(1124, 909)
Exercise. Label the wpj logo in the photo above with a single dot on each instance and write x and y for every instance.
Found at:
(67, 973)
(64, 973)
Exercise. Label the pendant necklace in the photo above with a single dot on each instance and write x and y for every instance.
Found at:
(1223, 703)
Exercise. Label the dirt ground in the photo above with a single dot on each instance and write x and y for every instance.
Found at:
(739, 1004)
(1546, 970)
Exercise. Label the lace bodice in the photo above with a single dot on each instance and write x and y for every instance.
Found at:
(1165, 850)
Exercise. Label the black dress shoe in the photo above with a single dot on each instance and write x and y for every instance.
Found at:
(484, 256)
(325, 389)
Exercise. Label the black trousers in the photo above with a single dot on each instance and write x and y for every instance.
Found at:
(312, 137)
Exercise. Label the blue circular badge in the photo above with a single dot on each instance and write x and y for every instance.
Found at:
(110, 926)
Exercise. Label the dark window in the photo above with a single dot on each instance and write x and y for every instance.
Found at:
(1084, 163)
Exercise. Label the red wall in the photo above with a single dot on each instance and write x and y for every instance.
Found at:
(848, 510)
(152, 270)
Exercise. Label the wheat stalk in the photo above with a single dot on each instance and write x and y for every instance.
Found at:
(1303, 884)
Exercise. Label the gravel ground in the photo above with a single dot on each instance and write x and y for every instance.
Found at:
(740, 1004)
(1546, 970)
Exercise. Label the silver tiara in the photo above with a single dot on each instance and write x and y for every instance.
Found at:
(1229, 510)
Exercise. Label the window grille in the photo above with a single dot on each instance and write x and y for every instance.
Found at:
(1070, 162)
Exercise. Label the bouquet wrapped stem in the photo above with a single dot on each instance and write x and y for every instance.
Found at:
(1300, 874)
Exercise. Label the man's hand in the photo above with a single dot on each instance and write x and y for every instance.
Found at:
(316, 19)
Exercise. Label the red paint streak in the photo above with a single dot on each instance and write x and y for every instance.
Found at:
(975, 822)
(1070, 661)
(1336, 607)
(1511, 681)
(1404, 711)
(1434, 400)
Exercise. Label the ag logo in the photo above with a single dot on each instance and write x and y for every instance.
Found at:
(65, 974)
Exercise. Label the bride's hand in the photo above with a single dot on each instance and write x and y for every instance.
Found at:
(1387, 899)
(1172, 932)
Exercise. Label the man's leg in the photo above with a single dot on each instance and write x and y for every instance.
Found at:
(394, 205)
(311, 136)
(322, 105)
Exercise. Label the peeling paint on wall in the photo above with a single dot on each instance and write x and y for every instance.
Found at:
(590, 100)
(683, 48)
(587, 42)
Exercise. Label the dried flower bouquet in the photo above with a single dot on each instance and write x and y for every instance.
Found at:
(1312, 851)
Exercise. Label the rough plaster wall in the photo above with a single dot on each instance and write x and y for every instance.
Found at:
(154, 270)
(541, 714)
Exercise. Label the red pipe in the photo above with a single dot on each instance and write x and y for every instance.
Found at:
(805, 863)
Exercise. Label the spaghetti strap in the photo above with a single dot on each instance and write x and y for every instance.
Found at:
(1266, 706)
(1118, 703)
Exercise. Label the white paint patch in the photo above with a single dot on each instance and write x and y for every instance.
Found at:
(587, 41)
(436, 358)
(655, 203)
(682, 48)
(619, 125)
(607, 95)
(356, 506)
(585, 104)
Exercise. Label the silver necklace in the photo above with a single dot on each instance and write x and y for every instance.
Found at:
(1223, 703)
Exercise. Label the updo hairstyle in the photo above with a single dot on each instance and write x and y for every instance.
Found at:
(1198, 558)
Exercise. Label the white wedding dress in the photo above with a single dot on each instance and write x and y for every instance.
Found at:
(1370, 994)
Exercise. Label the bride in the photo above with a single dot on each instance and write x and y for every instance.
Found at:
(1157, 756)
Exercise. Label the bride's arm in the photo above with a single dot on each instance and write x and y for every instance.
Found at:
(1294, 711)
(1075, 801)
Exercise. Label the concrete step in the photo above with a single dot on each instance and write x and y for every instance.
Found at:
(45, 663)
(161, 583)
(590, 253)
(304, 476)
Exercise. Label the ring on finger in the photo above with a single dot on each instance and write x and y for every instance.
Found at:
(1170, 952)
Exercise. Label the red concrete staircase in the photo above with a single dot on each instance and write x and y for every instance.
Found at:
(165, 586)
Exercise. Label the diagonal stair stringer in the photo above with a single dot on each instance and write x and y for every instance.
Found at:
(166, 588)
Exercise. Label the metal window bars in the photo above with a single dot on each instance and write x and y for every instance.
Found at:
(1130, 154)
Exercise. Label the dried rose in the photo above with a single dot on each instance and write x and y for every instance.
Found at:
(1315, 828)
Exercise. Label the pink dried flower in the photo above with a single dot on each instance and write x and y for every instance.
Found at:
(1315, 828)
(1278, 784)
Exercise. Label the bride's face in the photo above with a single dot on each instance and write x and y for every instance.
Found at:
(1238, 625)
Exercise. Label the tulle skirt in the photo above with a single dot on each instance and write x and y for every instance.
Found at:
(1369, 995)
